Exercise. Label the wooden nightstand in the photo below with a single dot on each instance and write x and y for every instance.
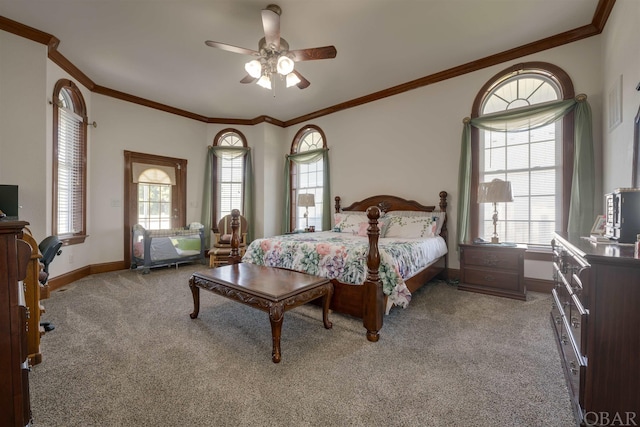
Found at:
(493, 270)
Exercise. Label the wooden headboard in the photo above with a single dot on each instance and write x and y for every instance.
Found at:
(391, 203)
(388, 203)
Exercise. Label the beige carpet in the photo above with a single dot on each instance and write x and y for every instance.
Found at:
(126, 353)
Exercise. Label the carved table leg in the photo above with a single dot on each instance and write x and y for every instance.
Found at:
(276, 314)
(326, 301)
(195, 291)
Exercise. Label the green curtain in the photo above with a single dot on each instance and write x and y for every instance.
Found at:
(305, 157)
(210, 190)
(207, 198)
(581, 209)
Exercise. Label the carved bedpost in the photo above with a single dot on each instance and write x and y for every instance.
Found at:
(373, 296)
(443, 201)
(337, 206)
(443, 232)
(234, 256)
(443, 208)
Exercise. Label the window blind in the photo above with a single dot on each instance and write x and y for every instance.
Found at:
(70, 172)
(231, 175)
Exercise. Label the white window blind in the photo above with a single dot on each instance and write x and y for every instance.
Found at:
(231, 182)
(70, 172)
(230, 176)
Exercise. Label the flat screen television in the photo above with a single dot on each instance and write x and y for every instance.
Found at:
(9, 201)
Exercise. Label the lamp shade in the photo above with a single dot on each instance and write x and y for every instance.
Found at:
(265, 82)
(306, 200)
(292, 79)
(284, 65)
(253, 68)
(496, 191)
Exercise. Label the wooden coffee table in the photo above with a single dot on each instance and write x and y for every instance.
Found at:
(273, 290)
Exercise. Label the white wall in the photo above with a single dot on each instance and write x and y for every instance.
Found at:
(125, 126)
(621, 58)
(269, 184)
(23, 127)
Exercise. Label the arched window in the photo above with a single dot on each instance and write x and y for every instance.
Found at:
(229, 173)
(69, 163)
(308, 176)
(537, 161)
(154, 198)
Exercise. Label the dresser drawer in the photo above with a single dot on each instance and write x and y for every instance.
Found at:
(493, 270)
(577, 318)
(506, 260)
(557, 313)
(573, 364)
(491, 278)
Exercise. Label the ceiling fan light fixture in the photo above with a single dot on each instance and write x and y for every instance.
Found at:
(265, 82)
(273, 55)
(285, 65)
(253, 68)
(292, 79)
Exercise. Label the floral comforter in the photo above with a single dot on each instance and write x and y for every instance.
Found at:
(343, 257)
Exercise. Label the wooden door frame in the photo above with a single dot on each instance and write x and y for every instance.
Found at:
(131, 193)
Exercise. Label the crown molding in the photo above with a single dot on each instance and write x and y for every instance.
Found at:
(600, 17)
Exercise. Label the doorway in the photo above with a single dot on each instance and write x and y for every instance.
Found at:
(155, 189)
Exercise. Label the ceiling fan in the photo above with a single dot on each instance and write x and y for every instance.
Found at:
(273, 54)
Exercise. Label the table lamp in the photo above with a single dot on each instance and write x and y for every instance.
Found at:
(306, 200)
(496, 191)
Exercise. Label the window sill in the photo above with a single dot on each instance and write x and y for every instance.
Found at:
(76, 239)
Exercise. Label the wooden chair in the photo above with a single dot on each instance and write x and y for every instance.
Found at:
(221, 246)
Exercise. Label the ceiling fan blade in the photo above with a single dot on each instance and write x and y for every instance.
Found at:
(304, 83)
(271, 25)
(248, 79)
(231, 48)
(325, 52)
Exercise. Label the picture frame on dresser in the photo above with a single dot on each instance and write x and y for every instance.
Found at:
(599, 225)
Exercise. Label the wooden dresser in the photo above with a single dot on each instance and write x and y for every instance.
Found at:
(493, 270)
(596, 319)
(15, 408)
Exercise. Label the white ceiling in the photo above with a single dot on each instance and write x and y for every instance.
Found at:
(154, 49)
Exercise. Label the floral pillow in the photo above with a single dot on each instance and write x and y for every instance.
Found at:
(411, 227)
(356, 223)
(438, 216)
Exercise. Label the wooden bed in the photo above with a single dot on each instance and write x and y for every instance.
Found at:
(367, 301)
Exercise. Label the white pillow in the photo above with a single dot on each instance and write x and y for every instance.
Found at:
(356, 223)
(437, 215)
(411, 226)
